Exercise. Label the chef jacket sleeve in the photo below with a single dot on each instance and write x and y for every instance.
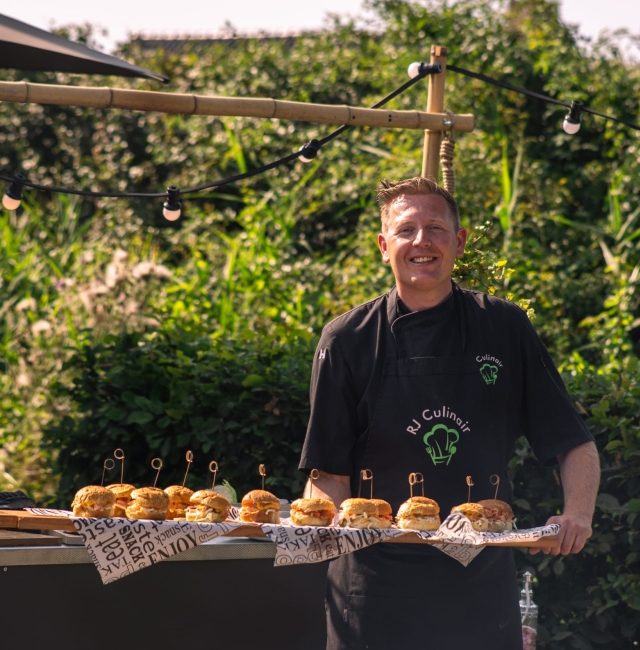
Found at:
(331, 432)
(549, 418)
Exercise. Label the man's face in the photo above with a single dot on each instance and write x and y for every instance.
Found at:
(421, 243)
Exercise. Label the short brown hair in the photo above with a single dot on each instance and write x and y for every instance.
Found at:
(388, 191)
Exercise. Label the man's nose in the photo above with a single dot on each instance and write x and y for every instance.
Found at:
(422, 238)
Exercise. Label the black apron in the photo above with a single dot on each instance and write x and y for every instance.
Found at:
(440, 416)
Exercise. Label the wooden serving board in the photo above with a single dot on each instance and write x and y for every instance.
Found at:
(22, 520)
(21, 538)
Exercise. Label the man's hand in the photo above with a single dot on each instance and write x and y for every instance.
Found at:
(572, 537)
(580, 475)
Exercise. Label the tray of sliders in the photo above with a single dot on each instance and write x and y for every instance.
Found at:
(417, 514)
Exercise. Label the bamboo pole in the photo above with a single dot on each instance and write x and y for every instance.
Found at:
(435, 104)
(188, 104)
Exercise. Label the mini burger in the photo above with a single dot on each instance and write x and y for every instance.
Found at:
(499, 515)
(314, 511)
(207, 505)
(365, 513)
(260, 506)
(179, 496)
(93, 501)
(148, 503)
(419, 513)
(122, 492)
(474, 512)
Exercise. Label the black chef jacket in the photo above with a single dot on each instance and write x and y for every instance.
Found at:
(445, 392)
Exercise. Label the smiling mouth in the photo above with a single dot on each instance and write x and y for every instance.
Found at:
(422, 260)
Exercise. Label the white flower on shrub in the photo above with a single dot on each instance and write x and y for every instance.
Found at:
(40, 327)
(144, 269)
(26, 304)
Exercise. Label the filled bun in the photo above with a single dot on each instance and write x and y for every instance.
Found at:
(365, 513)
(314, 511)
(207, 505)
(474, 512)
(179, 496)
(93, 501)
(148, 503)
(260, 506)
(122, 492)
(499, 515)
(419, 513)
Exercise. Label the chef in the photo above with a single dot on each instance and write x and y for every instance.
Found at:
(436, 379)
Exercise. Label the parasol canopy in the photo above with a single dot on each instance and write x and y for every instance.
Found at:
(24, 47)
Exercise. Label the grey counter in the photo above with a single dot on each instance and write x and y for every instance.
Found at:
(226, 595)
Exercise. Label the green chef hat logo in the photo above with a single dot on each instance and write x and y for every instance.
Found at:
(489, 373)
(441, 443)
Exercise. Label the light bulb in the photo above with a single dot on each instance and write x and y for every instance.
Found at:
(172, 207)
(414, 69)
(13, 196)
(309, 151)
(10, 203)
(570, 127)
(571, 123)
(171, 215)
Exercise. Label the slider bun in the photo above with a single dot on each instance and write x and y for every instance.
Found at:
(383, 508)
(260, 499)
(419, 507)
(151, 497)
(178, 494)
(148, 503)
(260, 506)
(314, 511)
(313, 504)
(365, 513)
(93, 501)
(210, 499)
(419, 513)
(499, 514)
(358, 506)
(121, 490)
(94, 495)
(474, 512)
(496, 509)
(122, 493)
(207, 505)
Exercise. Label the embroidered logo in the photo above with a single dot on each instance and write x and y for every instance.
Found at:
(441, 440)
(441, 443)
(489, 369)
(489, 373)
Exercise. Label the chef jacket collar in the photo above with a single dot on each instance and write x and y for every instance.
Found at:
(395, 311)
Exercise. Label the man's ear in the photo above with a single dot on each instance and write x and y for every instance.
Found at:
(461, 238)
(382, 245)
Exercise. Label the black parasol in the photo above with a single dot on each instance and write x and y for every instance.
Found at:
(24, 47)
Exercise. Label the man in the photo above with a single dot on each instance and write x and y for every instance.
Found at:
(435, 379)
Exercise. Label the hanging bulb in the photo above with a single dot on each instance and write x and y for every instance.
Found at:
(309, 151)
(414, 69)
(571, 124)
(13, 196)
(422, 69)
(172, 207)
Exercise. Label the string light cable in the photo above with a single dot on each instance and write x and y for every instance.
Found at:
(308, 151)
(172, 206)
(576, 108)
